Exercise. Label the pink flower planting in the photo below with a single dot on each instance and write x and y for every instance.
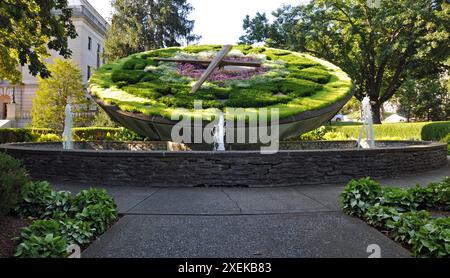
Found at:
(195, 71)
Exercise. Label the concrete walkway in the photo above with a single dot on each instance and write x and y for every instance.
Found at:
(303, 221)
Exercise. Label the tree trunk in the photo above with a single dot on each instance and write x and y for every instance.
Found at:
(376, 113)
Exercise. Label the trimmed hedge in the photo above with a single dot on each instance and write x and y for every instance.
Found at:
(18, 135)
(13, 135)
(12, 179)
(429, 131)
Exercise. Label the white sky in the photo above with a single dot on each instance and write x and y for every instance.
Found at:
(217, 21)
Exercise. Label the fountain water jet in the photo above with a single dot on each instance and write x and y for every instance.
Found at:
(67, 134)
(219, 134)
(367, 119)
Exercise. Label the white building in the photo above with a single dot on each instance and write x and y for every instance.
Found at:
(87, 49)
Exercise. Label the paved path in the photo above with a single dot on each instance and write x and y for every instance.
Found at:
(303, 221)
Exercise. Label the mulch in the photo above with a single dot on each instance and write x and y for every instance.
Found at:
(10, 227)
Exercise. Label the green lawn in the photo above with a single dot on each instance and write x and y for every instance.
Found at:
(435, 131)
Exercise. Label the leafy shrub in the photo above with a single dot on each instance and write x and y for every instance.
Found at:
(398, 198)
(76, 231)
(315, 135)
(51, 137)
(424, 196)
(359, 196)
(105, 134)
(59, 205)
(36, 196)
(404, 229)
(17, 135)
(96, 207)
(433, 239)
(335, 136)
(48, 246)
(435, 131)
(378, 216)
(100, 217)
(13, 178)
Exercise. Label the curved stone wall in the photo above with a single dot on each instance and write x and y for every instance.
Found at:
(170, 164)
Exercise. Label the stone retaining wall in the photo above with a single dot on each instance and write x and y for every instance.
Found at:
(231, 168)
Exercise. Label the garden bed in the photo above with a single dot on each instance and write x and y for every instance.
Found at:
(418, 218)
(44, 223)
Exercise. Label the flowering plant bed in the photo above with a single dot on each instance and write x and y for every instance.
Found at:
(290, 81)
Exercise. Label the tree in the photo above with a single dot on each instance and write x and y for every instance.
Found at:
(379, 47)
(28, 28)
(54, 93)
(141, 25)
(257, 29)
(426, 99)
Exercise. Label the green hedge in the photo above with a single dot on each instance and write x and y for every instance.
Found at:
(16, 135)
(434, 131)
(13, 135)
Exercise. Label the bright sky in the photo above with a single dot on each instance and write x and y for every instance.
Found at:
(217, 21)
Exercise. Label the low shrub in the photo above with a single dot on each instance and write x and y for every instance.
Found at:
(36, 196)
(378, 216)
(432, 239)
(13, 178)
(99, 216)
(359, 196)
(76, 231)
(435, 131)
(50, 137)
(394, 210)
(96, 207)
(400, 199)
(64, 220)
(404, 229)
(105, 134)
(48, 246)
(14, 135)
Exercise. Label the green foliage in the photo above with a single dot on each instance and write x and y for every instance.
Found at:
(379, 48)
(47, 246)
(246, 98)
(76, 231)
(394, 210)
(427, 99)
(359, 196)
(400, 199)
(95, 207)
(13, 135)
(315, 135)
(28, 30)
(100, 217)
(404, 229)
(435, 131)
(59, 205)
(36, 196)
(102, 119)
(432, 239)
(406, 131)
(13, 178)
(50, 137)
(378, 216)
(138, 26)
(64, 86)
(105, 134)
(160, 88)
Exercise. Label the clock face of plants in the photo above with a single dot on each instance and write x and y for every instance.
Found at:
(292, 82)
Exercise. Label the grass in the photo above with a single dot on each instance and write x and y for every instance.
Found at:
(401, 131)
(139, 84)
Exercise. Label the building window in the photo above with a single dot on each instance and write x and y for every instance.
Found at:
(98, 55)
(89, 43)
(88, 72)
